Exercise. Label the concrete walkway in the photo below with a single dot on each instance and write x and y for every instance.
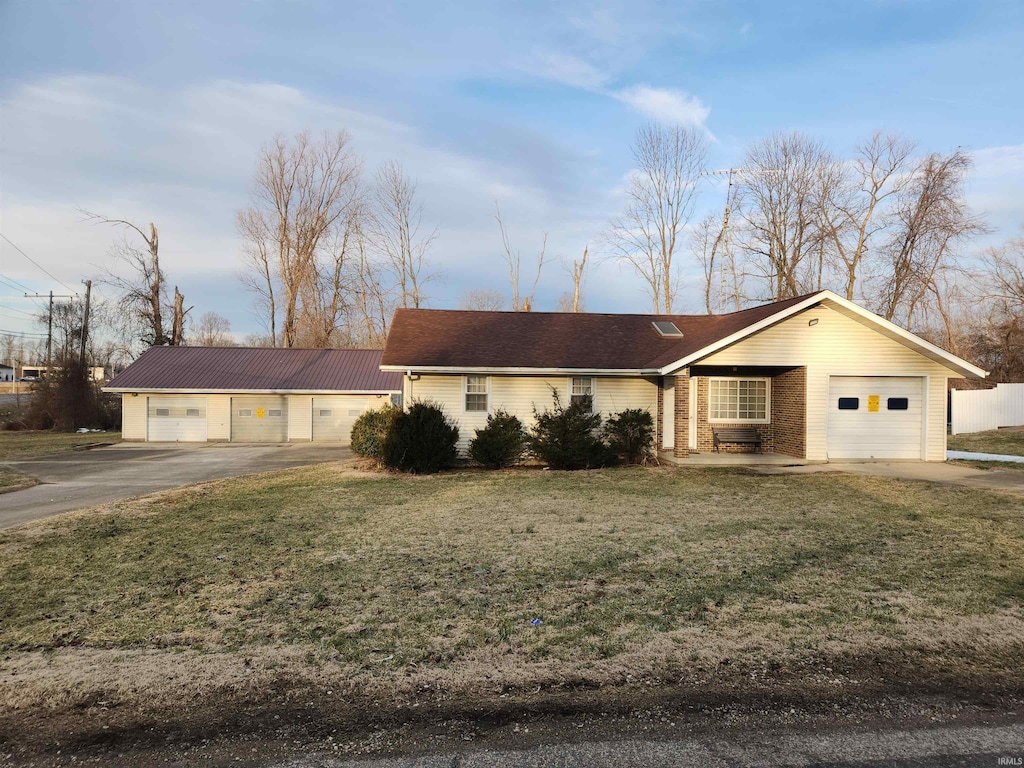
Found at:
(927, 471)
(82, 479)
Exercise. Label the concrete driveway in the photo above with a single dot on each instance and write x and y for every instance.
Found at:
(84, 479)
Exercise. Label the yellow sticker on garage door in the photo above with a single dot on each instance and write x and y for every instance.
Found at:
(260, 412)
(873, 401)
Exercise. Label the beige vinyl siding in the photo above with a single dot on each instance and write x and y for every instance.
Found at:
(519, 394)
(218, 415)
(133, 417)
(839, 345)
(300, 418)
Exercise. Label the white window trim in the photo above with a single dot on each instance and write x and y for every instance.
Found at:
(767, 400)
(465, 388)
(593, 390)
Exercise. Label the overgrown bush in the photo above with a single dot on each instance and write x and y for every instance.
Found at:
(370, 431)
(630, 435)
(501, 443)
(66, 400)
(569, 437)
(421, 440)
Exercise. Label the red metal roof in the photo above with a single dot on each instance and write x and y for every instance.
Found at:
(238, 369)
(558, 340)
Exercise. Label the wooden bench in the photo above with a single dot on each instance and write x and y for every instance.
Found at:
(745, 435)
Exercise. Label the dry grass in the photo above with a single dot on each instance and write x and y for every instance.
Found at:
(1008, 442)
(327, 574)
(14, 481)
(15, 446)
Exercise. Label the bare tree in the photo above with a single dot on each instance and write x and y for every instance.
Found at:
(930, 219)
(483, 300)
(143, 290)
(704, 242)
(854, 200)
(302, 195)
(211, 330)
(660, 198)
(780, 191)
(396, 224)
(514, 260)
(579, 270)
(373, 302)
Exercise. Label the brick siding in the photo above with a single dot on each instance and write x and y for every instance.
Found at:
(785, 433)
(682, 416)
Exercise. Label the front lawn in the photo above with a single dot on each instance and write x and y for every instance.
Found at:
(14, 481)
(383, 585)
(15, 446)
(1008, 442)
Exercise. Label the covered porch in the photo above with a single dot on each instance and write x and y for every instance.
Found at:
(700, 401)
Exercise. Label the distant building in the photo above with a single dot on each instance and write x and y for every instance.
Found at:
(6, 373)
(34, 372)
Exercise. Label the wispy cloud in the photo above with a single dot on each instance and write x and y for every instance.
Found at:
(567, 69)
(666, 105)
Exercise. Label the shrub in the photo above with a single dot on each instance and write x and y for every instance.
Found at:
(630, 435)
(66, 400)
(421, 440)
(370, 431)
(569, 437)
(501, 443)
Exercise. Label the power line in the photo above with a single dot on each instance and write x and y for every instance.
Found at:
(15, 309)
(14, 283)
(43, 269)
(22, 333)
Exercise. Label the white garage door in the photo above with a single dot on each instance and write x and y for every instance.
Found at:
(875, 417)
(333, 417)
(259, 419)
(180, 419)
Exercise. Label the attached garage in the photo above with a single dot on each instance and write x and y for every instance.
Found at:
(333, 417)
(247, 395)
(876, 417)
(176, 419)
(259, 419)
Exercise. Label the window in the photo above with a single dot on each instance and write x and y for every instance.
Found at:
(325, 413)
(898, 404)
(193, 412)
(245, 412)
(163, 411)
(849, 403)
(274, 412)
(396, 399)
(355, 411)
(580, 388)
(738, 400)
(476, 394)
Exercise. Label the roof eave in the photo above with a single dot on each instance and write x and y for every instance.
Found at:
(209, 391)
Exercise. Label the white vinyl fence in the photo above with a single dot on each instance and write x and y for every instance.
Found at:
(976, 410)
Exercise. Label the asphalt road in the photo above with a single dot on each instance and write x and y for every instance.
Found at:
(82, 479)
(917, 748)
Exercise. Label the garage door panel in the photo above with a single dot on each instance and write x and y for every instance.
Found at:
(176, 419)
(259, 419)
(881, 434)
(334, 417)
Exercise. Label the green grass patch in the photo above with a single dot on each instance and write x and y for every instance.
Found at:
(15, 446)
(1008, 442)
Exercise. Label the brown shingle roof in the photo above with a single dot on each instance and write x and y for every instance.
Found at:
(586, 341)
(237, 369)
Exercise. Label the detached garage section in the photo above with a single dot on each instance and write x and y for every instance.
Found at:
(245, 395)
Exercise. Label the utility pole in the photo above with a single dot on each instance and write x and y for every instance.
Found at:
(49, 322)
(85, 321)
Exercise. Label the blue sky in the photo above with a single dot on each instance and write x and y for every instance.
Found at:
(155, 111)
